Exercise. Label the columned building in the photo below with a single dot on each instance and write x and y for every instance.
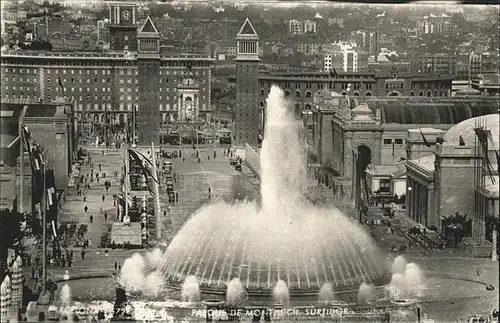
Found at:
(460, 175)
(247, 113)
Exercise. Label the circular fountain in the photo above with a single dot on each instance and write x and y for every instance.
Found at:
(285, 239)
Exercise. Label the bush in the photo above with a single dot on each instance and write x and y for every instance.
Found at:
(105, 239)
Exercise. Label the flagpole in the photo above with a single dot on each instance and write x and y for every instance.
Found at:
(126, 179)
(156, 192)
(44, 231)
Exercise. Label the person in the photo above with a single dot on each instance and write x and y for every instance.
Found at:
(82, 253)
(119, 267)
(165, 213)
(477, 272)
(176, 197)
(99, 167)
(105, 216)
(85, 208)
(63, 261)
(107, 188)
(116, 265)
(91, 218)
(103, 198)
(106, 252)
(215, 154)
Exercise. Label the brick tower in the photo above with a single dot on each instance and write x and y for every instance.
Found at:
(247, 115)
(148, 62)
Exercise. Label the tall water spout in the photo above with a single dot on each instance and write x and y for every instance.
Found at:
(235, 291)
(281, 293)
(284, 237)
(190, 291)
(326, 293)
(366, 293)
(65, 295)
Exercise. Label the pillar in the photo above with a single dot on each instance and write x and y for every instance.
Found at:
(5, 290)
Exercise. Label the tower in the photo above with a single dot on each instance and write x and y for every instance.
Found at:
(148, 65)
(247, 115)
(122, 27)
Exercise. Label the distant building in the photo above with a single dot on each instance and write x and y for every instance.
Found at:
(435, 25)
(487, 84)
(371, 42)
(441, 64)
(298, 27)
(343, 57)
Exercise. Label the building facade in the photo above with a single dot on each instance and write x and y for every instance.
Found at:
(105, 85)
(460, 175)
(248, 123)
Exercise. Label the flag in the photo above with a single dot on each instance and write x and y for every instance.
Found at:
(426, 143)
(147, 170)
(59, 81)
(34, 153)
(481, 134)
(54, 228)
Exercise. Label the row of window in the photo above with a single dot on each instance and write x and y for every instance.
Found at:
(76, 62)
(331, 85)
(103, 72)
(397, 141)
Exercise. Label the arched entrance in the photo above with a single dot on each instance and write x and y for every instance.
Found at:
(394, 93)
(364, 159)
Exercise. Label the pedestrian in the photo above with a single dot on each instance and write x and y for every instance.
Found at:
(103, 198)
(101, 210)
(91, 218)
(106, 252)
(116, 265)
(119, 267)
(107, 188)
(215, 154)
(176, 197)
(82, 253)
(99, 167)
(85, 208)
(165, 213)
(85, 198)
(98, 180)
(63, 261)
(105, 216)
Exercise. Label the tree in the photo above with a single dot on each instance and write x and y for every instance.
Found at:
(456, 226)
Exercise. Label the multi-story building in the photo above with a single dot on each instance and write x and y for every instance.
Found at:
(435, 25)
(102, 29)
(442, 64)
(371, 42)
(298, 27)
(105, 85)
(343, 57)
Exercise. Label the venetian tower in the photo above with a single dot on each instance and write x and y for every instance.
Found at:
(247, 113)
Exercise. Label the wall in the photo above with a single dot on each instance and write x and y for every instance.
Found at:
(53, 136)
(455, 179)
(247, 103)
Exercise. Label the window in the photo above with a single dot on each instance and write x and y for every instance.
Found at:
(297, 94)
(308, 94)
(385, 185)
(387, 141)
(398, 141)
(287, 93)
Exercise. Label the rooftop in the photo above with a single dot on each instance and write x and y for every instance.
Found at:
(431, 110)
(425, 162)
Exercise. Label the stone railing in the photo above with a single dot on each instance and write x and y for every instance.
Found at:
(252, 160)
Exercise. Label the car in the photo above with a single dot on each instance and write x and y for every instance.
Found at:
(238, 167)
(233, 160)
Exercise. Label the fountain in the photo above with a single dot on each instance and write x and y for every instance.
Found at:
(65, 295)
(281, 293)
(285, 238)
(406, 280)
(366, 293)
(190, 290)
(132, 273)
(326, 293)
(234, 294)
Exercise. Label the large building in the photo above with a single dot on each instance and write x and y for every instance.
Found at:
(460, 175)
(105, 85)
(374, 131)
(52, 127)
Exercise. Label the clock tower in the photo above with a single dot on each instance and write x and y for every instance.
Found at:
(123, 25)
(247, 113)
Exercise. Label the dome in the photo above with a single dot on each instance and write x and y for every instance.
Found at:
(466, 130)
